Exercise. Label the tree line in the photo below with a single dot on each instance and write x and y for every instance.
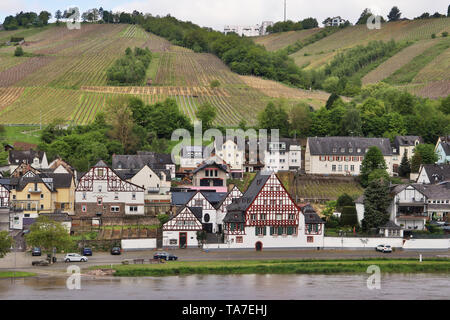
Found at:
(289, 25)
(26, 20)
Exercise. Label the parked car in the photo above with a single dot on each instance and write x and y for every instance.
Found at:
(75, 257)
(115, 251)
(165, 256)
(379, 247)
(387, 249)
(36, 251)
(86, 251)
(40, 263)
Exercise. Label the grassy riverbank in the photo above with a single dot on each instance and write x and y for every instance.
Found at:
(17, 274)
(280, 267)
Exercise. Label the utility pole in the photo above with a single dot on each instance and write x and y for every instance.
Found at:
(284, 10)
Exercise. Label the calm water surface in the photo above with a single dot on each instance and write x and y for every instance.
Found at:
(286, 287)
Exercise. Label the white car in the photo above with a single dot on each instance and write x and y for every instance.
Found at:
(75, 257)
(387, 249)
(379, 247)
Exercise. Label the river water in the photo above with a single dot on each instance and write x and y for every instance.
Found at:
(232, 287)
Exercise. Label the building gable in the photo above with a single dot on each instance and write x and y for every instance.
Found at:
(234, 193)
(199, 200)
(184, 220)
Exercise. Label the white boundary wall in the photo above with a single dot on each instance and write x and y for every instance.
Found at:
(354, 242)
(427, 244)
(138, 244)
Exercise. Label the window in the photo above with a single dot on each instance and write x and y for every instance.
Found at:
(133, 196)
(42, 207)
(291, 216)
(253, 217)
(340, 167)
(334, 150)
(42, 196)
(99, 201)
(173, 241)
(14, 197)
(28, 196)
(83, 208)
(99, 188)
(84, 195)
(352, 168)
(346, 167)
(198, 202)
(323, 158)
(310, 239)
(133, 208)
(239, 239)
(100, 172)
(115, 208)
(279, 216)
(260, 231)
(215, 173)
(350, 150)
(342, 150)
(333, 167)
(116, 196)
(262, 216)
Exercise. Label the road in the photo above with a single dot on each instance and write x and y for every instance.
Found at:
(22, 260)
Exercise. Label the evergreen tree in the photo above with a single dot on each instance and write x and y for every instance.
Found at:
(405, 167)
(395, 14)
(448, 11)
(416, 161)
(373, 160)
(206, 113)
(376, 203)
(331, 99)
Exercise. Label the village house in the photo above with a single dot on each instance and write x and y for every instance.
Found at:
(333, 22)
(154, 160)
(342, 155)
(101, 192)
(413, 205)
(192, 156)
(443, 149)
(433, 173)
(212, 174)
(267, 217)
(233, 153)
(37, 159)
(283, 155)
(402, 145)
(4, 205)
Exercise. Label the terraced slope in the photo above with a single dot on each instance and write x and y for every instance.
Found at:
(67, 77)
(318, 53)
(276, 41)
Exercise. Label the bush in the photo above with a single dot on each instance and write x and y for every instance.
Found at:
(130, 69)
(333, 222)
(17, 39)
(19, 52)
(433, 36)
(444, 34)
(349, 216)
(215, 84)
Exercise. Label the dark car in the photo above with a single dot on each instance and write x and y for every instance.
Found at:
(86, 252)
(165, 256)
(115, 251)
(40, 263)
(36, 251)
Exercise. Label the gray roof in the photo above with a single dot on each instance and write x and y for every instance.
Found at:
(214, 197)
(138, 161)
(181, 198)
(253, 190)
(406, 140)
(446, 147)
(210, 163)
(238, 217)
(6, 183)
(18, 156)
(126, 174)
(57, 216)
(311, 216)
(218, 204)
(437, 172)
(101, 163)
(197, 211)
(325, 145)
(53, 181)
(431, 191)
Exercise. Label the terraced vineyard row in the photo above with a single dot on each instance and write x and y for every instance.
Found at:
(9, 95)
(277, 41)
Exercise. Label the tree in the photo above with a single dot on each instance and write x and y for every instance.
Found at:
(416, 161)
(364, 16)
(44, 16)
(18, 52)
(349, 217)
(445, 105)
(378, 174)
(427, 153)
(376, 202)
(6, 243)
(49, 235)
(206, 113)
(373, 160)
(405, 167)
(351, 123)
(344, 200)
(331, 84)
(273, 117)
(394, 14)
(120, 117)
(58, 16)
(448, 11)
(300, 119)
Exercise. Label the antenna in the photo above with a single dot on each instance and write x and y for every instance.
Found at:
(284, 10)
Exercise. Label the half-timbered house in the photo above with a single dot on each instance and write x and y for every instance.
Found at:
(221, 207)
(266, 216)
(4, 195)
(181, 230)
(102, 192)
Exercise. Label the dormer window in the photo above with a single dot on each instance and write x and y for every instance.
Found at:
(342, 150)
(358, 150)
(350, 150)
(334, 150)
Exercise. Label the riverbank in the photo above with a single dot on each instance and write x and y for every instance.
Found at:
(290, 266)
(16, 274)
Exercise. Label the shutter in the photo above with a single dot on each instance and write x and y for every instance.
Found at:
(280, 230)
(271, 230)
(264, 230)
(289, 230)
(256, 231)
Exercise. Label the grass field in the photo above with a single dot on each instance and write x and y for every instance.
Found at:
(22, 134)
(15, 274)
(281, 267)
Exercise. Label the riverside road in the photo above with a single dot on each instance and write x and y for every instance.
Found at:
(22, 260)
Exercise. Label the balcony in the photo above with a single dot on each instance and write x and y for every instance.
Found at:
(34, 190)
(153, 190)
